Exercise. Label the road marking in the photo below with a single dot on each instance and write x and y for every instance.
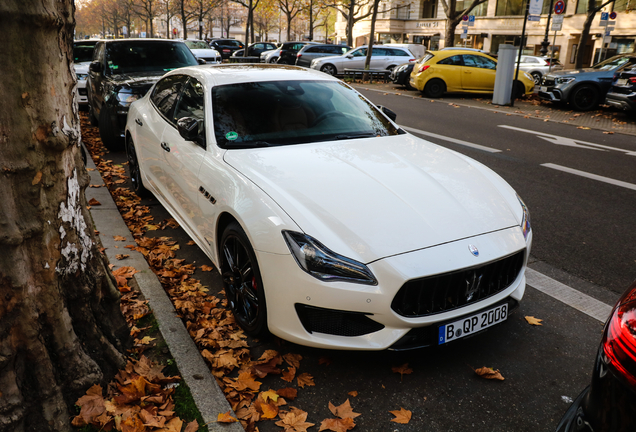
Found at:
(590, 176)
(571, 297)
(453, 140)
(570, 142)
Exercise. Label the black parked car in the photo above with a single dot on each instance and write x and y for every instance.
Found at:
(226, 46)
(255, 49)
(121, 72)
(622, 94)
(288, 51)
(310, 52)
(609, 403)
(401, 74)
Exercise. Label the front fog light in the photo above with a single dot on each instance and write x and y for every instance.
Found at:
(324, 264)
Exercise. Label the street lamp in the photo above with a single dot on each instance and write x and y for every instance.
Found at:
(545, 43)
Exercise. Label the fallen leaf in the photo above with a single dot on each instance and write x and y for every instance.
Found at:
(584, 127)
(608, 132)
(353, 393)
(288, 393)
(146, 340)
(293, 359)
(207, 268)
(305, 379)
(121, 256)
(534, 321)
(402, 416)
(119, 238)
(289, 374)
(343, 411)
(94, 202)
(226, 418)
(271, 394)
(489, 373)
(324, 361)
(402, 370)
(37, 178)
(294, 421)
(337, 425)
(193, 426)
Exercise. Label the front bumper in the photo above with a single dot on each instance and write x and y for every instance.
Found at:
(289, 290)
(551, 94)
(82, 95)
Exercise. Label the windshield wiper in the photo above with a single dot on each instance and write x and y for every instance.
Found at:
(250, 144)
(354, 136)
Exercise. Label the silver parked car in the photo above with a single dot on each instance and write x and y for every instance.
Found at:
(381, 58)
(310, 52)
(584, 88)
(538, 66)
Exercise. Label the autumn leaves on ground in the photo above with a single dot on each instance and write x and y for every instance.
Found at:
(140, 398)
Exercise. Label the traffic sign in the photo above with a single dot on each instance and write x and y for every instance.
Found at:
(465, 18)
(604, 17)
(559, 7)
(612, 16)
(471, 20)
(535, 8)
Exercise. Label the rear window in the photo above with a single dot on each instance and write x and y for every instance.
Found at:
(83, 53)
(139, 56)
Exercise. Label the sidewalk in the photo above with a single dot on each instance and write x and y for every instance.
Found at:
(207, 395)
(604, 119)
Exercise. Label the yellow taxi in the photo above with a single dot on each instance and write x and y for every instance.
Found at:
(457, 70)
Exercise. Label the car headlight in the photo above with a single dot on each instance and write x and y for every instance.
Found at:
(525, 220)
(125, 98)
(324, 264)
(563, 80)
(528, 76)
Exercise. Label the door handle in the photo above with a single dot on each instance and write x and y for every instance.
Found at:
(165, 146)
(139, 122)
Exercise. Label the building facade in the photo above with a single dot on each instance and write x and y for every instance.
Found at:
(500, 22)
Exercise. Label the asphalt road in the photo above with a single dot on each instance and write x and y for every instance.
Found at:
(581, 231)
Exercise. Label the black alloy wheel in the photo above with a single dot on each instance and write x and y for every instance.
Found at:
(134, 170)
(537, 77)
(242, 281)
(434, 88)
(329, 69)
(584, 97)
(106, 131)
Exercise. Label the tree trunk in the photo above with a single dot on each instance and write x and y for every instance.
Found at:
(374, 16)
(449, 34)
(183, 20)
(585, 34)
(350, 23)
(61, 329)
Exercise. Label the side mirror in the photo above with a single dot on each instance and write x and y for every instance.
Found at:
(390, 114)
(349, 56)
(201, 61)
(95, 66)
(188, 128)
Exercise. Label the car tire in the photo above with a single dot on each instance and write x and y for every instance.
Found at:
(91, 116)
(242, 281)
(434, 88)
(134, 170)
(273, 60)
(109, 138)
(584, 97)
(520, 90)
(537, 77)
(329, 69)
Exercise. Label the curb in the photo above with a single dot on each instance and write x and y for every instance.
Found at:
(207, 395)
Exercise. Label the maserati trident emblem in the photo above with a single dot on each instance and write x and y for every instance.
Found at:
(472, 285)
(473, 249)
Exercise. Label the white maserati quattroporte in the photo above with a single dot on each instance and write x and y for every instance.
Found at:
(331, 226)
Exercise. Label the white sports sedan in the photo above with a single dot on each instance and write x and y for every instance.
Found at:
(330, 225)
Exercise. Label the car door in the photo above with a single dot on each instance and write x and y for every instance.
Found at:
(478, 73)
(153, 124)
(379, 58)
(354, 60)
(95, 79)
(450, 70)
(181, 159)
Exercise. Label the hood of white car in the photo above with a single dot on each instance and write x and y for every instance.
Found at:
(373, 198)
(204, 52)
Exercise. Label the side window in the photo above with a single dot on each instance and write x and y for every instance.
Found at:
(471, 61)
(313, 50)
(191, 104)
(359, 53)
(379, 52)
(485, 63)
(165, 94)
(452, 61)
(342, 50)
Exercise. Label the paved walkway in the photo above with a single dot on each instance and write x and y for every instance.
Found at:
(606, 119)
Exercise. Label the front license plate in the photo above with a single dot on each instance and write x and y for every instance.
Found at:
(621, 82)
(472, 324)
(543, 89)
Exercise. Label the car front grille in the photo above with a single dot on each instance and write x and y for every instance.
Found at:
(335, 322)
(445, 292)
(82, 91)
(547, 81)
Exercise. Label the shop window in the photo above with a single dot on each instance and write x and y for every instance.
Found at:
(479, 10)
(624, 5)
(624, 46)
(429, 8)
(581, 7)
(510, 7)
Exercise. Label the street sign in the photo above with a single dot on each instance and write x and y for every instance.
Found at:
(465, 18)
(535, 7)
(471, 20)
(556, 25)
(124, 30)
(558, 18)
(612, 16)
(534, 18)
(604, 17)
(559, 7)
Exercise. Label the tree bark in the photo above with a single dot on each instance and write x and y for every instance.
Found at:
(61, 329)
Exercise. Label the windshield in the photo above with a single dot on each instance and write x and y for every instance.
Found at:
(197, 45)
(261, 114)
(139, 56)
(82, 53)
(614, 63)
